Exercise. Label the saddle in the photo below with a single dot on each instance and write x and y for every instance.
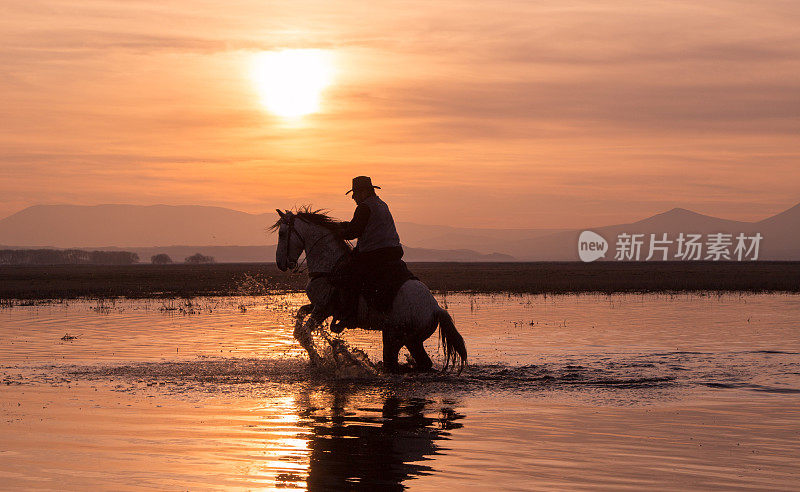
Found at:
(379, 284)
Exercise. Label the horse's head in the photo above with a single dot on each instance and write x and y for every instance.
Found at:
(290, 242)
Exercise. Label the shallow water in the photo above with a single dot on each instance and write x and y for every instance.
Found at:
(592, 391)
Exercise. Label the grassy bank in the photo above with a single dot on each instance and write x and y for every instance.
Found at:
(72, 281)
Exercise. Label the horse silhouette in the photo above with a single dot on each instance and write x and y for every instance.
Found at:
(412, 318)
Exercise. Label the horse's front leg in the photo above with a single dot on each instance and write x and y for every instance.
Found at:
(303, 334)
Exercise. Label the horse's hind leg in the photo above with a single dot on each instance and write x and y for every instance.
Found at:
(391, 351)
(421, 360)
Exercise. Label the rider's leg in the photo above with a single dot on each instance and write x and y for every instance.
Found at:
(349, 293)
(348, 309)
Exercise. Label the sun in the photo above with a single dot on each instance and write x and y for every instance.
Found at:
(290, 82)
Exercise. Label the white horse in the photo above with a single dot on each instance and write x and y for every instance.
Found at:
(414, 314)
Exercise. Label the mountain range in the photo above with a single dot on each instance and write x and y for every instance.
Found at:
(780, 234)
(231, 235)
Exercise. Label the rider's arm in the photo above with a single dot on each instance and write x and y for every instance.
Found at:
(354, 228)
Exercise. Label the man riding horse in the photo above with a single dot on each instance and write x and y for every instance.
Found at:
(395, 302)
(376, 257)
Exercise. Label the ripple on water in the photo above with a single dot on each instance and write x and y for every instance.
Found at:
(623, 372)
(562, 393)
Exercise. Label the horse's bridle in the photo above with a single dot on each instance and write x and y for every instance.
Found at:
(290, 223)
(292, 230)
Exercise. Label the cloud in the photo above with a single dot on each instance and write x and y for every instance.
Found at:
(561, 105)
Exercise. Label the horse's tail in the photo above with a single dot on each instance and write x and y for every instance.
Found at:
(455, 352)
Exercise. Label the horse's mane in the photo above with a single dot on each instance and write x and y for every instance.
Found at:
(319, 217)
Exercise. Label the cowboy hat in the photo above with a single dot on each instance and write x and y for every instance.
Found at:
(362, 183)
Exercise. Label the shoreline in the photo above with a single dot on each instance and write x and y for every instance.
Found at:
(35, 282)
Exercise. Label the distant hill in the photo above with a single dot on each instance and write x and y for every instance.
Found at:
(781, 234)
(240, 236)
(66, 226)
(474, 238)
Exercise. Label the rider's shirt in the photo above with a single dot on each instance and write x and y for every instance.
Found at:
(373, 225)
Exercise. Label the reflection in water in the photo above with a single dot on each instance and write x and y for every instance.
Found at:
(696, 391)
(364, 447)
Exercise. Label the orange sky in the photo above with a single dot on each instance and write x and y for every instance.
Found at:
(491, 114)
